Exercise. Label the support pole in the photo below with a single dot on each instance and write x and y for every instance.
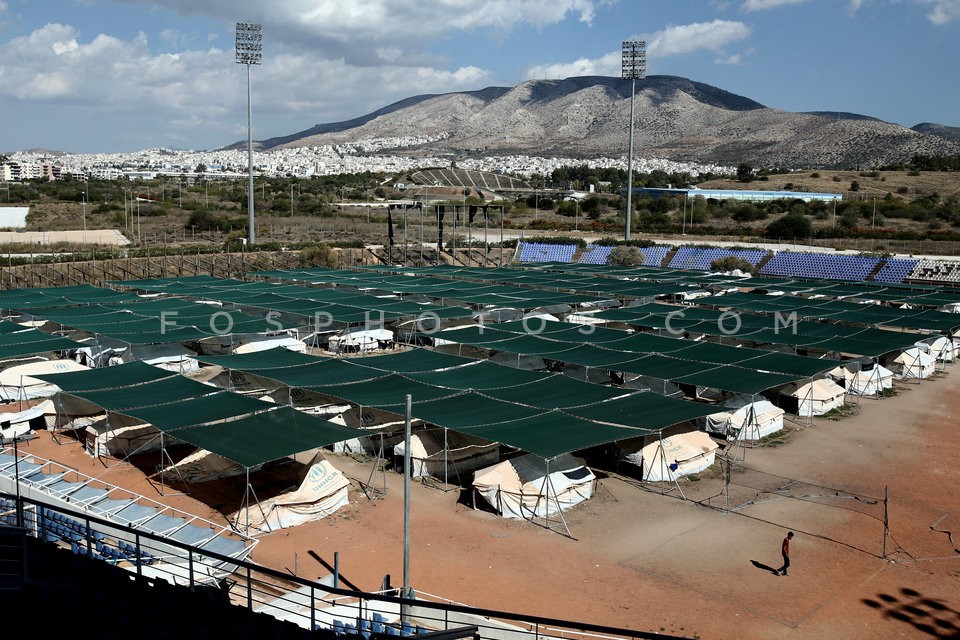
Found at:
(406, 508)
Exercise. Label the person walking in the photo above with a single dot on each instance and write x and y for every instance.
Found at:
(785, 552)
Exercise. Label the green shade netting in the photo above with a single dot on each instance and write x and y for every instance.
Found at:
(411, 361)
(267, 359)
(324, 372)
(162, 391)
(470, 409)
(557, 392)
(480, 376)
(194, 411)
(737, 379)
(121, 375)
(388, 391)
(647, 411)
(36, 346)
(267, 436)
(551, 434)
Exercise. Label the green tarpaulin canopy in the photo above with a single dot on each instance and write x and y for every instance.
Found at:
(121, 375)
(266, 436)
(162, 391)
(647, 411)
(194, 411)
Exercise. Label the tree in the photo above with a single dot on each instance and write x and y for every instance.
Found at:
(201, 168)
(320, 255)
(790, 226)
(624, 256)
(744, 172)
(730, 263)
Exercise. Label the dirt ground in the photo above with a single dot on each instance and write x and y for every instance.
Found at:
(693, 559)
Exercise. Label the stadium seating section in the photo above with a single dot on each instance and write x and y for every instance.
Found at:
(820, 265)
(701, 258)
(598, 254)
(484, 180)
(541, 252)
(936, 270)
(895, 270)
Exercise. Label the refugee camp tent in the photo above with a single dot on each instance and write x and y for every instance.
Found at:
(360, 341)
(813, 398)
(530, 487)
(745, 419)
(321, 490)
(868, 380)
(915, 364)
(17, 382)
(19, 424)
(447, 455)
(664, 458)
(942, 348)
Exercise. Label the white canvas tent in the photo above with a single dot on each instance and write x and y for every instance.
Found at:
(863, 382)
(447, 455)
(17, 382)
(941, 348)
(360, 341)
(272, 342)
(322, 489)
(14, 425)
(663, 458)
(522, 488)
(915, 364)
(813, 398)
(745, 419)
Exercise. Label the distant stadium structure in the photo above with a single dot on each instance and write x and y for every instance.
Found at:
(736, 194)
(481, 180)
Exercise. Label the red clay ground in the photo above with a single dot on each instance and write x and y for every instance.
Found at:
(655, 562)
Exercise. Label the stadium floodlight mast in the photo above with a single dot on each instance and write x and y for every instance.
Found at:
(634, 65)
(249, 51)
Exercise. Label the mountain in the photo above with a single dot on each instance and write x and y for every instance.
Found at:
(945, 132)
(675, 118)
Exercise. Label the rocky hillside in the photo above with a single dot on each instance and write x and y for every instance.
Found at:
(676, 118)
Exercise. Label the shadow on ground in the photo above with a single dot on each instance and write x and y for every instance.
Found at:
(926, 615)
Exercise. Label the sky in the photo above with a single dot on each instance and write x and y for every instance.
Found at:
(108, 76)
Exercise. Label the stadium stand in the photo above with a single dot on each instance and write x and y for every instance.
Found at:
(701, 258)
(820, 265)
(936, 270)
(595, 254)
(654, 256)
(542, 252)
(486, 180)
(895, 270)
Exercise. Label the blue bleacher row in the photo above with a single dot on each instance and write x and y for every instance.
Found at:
(378, 625)
(787, 263)
(58, 527)
(701, 258)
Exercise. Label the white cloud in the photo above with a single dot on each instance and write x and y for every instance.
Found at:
(674, 40)
(713, 36)
(942, 11)
(354, 30)
(760, 5)
(198, 94)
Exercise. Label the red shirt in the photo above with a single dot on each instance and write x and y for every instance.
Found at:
(786, 546)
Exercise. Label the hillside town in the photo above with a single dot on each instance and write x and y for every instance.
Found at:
(369, 155)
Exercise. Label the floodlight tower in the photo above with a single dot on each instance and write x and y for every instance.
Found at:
(634, 65)
(249, 51)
